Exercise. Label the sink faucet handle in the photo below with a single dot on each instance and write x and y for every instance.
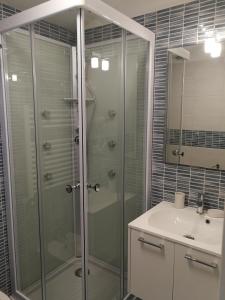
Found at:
(200, 194)
(201, 197)
(200, 203)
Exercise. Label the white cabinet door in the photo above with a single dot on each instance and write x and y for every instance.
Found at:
(196, 275)
(151, 261)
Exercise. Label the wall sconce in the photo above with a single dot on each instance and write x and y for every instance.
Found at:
(216, 50)
(212, 45)
(105, 65)
(95, 62)
(209, 44)
(14, 77)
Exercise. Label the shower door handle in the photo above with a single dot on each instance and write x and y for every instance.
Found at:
(70, 188)
(95, 187)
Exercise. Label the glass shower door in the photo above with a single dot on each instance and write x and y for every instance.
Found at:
(55, 64)
(42, 108)
(105, 122)
(116, 106)
(23, 160)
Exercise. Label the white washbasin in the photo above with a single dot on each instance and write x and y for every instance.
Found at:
(182, 225)
(188, 223)
(209, 233)
(173, 220)
(3, 296)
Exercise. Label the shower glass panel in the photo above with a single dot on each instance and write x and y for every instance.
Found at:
(55, 70)
(20, 107)
(43, 120)
(136, 88)
(105, 134)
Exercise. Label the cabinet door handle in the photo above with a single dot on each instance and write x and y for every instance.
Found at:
(211, 265)
(142, 240)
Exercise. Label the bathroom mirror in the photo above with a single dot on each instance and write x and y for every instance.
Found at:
(196, 105)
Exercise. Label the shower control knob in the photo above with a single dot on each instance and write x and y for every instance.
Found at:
(46, 114)
(95, 187)
(70, 188)
(111, 173)
(48, 176)
(112, 113)
(47, 146)
(112, 144)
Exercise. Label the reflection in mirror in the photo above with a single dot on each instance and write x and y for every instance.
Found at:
(196, 109)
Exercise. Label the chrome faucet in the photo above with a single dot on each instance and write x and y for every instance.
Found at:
(200, 204)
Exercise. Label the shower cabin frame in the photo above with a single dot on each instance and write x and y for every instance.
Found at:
(30, 16)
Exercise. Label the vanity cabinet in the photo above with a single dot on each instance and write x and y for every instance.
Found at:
(196, 275)
(164, 270)
(151, 266)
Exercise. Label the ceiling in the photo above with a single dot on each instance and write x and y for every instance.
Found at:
(131, 8)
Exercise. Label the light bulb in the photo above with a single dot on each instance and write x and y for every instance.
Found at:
(105, 65)
(216, 50)
(95, 62)
(14, 77)
(209, 44)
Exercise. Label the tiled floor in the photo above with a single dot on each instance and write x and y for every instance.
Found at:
(103, 284)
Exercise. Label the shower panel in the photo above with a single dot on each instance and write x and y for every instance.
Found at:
(44, 155)
(77, 110)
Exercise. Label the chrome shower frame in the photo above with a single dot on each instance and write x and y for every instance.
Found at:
(35, 14)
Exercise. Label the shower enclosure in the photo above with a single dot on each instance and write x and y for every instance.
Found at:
(76, 81)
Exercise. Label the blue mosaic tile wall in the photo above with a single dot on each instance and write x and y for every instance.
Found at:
(196, 138)
(181, 26)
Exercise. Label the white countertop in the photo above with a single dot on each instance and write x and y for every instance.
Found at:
(169, 223)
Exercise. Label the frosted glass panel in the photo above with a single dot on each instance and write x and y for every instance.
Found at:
(136, 84)
(135, 119)
(59, 164)
(56, 127)
(21, 113)
(104, 85)
(53, 73)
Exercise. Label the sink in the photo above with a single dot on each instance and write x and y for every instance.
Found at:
(173, 220)
(188, 223)
(209, 233)
(183, 226)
